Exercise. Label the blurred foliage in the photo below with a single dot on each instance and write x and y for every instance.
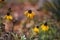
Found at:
(2, 4)
(15, 36)
(21, 1)
(48, 35)
(0, 21)
(33, 1)
(54, 8)
(51, 34)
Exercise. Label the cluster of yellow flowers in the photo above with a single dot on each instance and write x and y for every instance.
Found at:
(30, 14)
(43, 28)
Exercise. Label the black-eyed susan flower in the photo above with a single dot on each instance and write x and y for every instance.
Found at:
(36, 29)
(45, 27)
(29, 14)
(2, 0)
(8, 17)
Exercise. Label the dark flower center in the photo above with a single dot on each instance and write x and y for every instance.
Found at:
(29, 11)
(45, 24)
(8, 14)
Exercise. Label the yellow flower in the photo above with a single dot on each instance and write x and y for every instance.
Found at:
(2, 0)
(36, 30)
(44, 28)
(29, 15)
(8, 17)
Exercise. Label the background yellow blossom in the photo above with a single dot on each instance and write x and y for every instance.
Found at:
(44, 28)
(36, 30)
